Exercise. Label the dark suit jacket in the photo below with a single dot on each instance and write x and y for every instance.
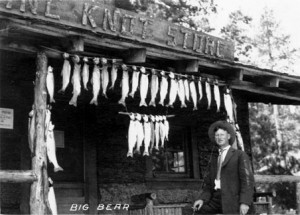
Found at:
(237, 181)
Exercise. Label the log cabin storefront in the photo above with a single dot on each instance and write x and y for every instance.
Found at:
(92, 139)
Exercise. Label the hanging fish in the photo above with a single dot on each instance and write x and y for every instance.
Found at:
(186, 89)
(193, 93)
(200, 89)
(76, 81)
(31, 130)
(208, 93)
(47, 123)
(113, 74)
(167, 127)
(144, 85)
(125, 85)
(181, 93)
(156, 129)
(152, 139)
(173, 90)
(85, 73)
(163, 88)
(239, 137)
(140, 134)
(228, 105)
(217, 95)
(132, 135)
(51, 198)
(50, 83)
(134, 81)
(162, 131)
(147, 134)
(104, 76)
(51, 148)
(95, 81)
(65, 73)
(154, 87)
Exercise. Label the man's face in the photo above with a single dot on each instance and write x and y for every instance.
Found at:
(222, 137)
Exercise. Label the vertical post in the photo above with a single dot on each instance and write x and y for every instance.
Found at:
(39, 188)
(298, 196)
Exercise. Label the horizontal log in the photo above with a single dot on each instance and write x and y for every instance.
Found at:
(276, 178)
(17, 176)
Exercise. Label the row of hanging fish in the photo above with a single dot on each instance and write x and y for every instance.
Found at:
(150, 130)
(230, 107)
(48, 137)
(163, 87)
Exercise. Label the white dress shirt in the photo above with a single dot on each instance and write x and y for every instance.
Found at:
(224, 153)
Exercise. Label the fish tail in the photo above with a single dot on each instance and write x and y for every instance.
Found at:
(129, 154)
(131, 94)
(183, 106)
(104, 94)
(143, 103)
(195, 108)
(146, 153)
(94, 101)
(122, 102)
(52, 100)
(58, 168)
(152, 103)
(73, 102)
(62, 90)
(162, 103)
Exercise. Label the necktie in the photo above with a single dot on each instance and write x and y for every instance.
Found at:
(219, 165)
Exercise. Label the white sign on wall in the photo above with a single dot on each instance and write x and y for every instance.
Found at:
(6, 118)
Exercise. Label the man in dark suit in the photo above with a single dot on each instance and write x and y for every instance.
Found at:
(228, 189)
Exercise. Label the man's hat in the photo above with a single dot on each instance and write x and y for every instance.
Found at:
(224, 125)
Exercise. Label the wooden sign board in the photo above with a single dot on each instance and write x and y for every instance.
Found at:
(99, 18)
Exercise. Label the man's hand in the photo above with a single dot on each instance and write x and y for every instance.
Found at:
(198, 204)
(244, 209)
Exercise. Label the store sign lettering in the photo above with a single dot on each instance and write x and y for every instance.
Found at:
(101, 18)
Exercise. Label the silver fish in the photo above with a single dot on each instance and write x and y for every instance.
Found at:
(85, 73)
(208, 93)
(31, 130)
(217, 95)
(239, 137)
(163, 88)
(134, 81)
(104, 77)
(132, 135)
(167, 127)
(147, 134)
(125, 85)
(65, 73)
(51, 198)
(113, 74)
(50, 83)
(200, 89)
(186, 89)
(162, 131)
(76, 79)
(95, 81)
(193, 93)
(152, 140)
(144, 85)
(140, 133)
(156, 129)
(154, 87)
(51, 148)
(181, 93)
(173, 90)
(47, 123)
(228, 105)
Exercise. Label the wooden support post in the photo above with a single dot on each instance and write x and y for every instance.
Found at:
(39, 188)
(195, 156)
(135, 56)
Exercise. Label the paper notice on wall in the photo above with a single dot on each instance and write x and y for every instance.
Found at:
(59, 137)
(6, 118)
